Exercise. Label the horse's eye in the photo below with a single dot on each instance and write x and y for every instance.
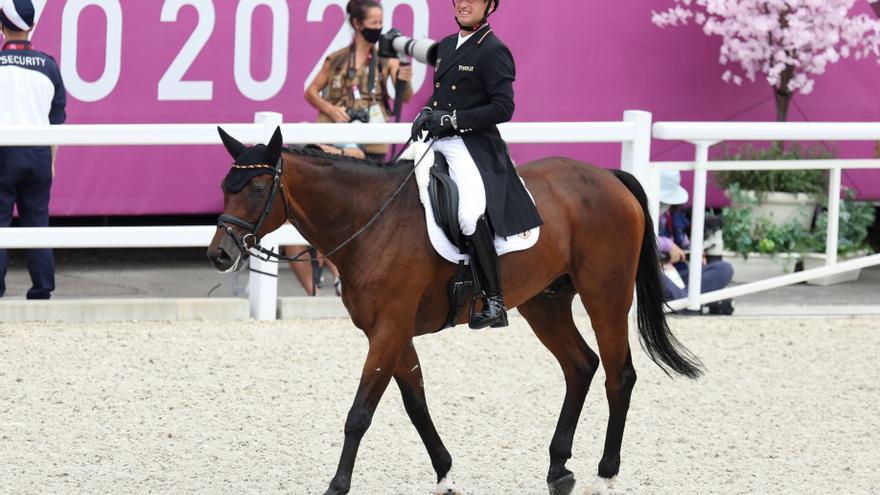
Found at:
(259, 190)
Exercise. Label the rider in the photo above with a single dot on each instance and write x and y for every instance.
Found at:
(473, 92)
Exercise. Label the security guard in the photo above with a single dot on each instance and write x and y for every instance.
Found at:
(31, 93)
(473, 93)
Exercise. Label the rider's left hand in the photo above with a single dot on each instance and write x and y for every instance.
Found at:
(441, 124)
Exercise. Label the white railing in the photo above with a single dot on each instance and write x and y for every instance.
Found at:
(704, 135)
(634, 133)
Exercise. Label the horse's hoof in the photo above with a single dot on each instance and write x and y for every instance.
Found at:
(602, 486)
(562, 486)
(450, 491)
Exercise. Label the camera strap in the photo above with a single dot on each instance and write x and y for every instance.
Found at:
(352, 75)
(374, 61)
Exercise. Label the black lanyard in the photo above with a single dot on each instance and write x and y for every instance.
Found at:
(352, 71)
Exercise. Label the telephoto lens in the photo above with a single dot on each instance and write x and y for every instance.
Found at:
(394, 44)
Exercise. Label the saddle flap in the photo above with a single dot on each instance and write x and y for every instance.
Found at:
(444, 199)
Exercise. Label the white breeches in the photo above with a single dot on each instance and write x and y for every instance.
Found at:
(463, 170)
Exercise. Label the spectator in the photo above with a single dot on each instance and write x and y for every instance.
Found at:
(31, 93)
(673, 241)
(351, 84)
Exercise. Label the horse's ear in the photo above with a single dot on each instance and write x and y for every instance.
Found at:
(273, 149)
(233, 146)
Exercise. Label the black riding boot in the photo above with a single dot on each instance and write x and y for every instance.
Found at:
(482, 249)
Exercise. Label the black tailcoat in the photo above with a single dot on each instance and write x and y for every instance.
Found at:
(476, 81)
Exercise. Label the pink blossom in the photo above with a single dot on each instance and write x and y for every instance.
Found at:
(788, 42)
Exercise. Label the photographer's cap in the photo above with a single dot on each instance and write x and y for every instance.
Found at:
(671, 192)
(17, 15)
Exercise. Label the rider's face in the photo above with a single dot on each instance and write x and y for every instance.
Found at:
(470, 12)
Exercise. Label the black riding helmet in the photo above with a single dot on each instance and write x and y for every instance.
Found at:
(489, 11)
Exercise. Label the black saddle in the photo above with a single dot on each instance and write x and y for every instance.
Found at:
(444, 201)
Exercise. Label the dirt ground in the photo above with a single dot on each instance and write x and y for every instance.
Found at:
(788, 406)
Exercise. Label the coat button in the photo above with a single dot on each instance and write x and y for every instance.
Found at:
(437, 85)
(435, 103)
(453, 87)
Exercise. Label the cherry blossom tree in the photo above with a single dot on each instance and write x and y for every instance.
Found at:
(787, 42)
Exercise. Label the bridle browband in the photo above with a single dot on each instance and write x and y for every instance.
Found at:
(252, 229)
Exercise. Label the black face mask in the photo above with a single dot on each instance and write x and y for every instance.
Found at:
(371, 35)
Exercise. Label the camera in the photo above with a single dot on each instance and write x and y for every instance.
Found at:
(361, 115)
(394, 44)
(713, 239)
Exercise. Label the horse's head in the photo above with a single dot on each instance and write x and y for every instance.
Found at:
(254, 203)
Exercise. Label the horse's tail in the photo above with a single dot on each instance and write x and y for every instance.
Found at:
(659, 342)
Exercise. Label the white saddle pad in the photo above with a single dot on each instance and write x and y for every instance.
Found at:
(441, 243)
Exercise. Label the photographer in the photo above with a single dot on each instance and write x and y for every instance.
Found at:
(673, 241)
(351, 84)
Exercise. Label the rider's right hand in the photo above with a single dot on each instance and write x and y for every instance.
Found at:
(420, 124)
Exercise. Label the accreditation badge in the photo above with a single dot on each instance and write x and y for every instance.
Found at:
(376, 115)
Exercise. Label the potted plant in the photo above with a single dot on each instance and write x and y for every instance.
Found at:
(779, 196)
(852, 240)
(758, 248)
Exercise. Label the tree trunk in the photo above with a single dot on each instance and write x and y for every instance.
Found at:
(783, 100)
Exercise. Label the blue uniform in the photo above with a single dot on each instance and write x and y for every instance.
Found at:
(31, 93)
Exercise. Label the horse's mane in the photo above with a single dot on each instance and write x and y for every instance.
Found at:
(313, 151)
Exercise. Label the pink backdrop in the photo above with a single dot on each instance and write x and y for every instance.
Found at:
(577, 60)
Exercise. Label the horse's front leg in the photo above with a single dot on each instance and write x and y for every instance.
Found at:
(408, 376)
(386, 344)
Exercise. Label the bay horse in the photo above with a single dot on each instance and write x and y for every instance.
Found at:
(597, 241)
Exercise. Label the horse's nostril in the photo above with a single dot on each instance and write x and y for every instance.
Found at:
(223, 255)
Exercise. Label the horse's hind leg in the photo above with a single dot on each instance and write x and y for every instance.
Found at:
(551, 320)
(408, 375)
(608, 296)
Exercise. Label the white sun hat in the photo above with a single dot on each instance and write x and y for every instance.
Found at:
(671, 192)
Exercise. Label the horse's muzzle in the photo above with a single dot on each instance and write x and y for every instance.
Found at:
(223, 261)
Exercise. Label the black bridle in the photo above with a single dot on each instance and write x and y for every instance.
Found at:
(225, 220)
(270, 256)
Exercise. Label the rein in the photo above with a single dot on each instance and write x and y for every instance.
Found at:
(270, 256)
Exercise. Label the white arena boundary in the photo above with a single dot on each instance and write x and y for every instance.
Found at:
(633, 132)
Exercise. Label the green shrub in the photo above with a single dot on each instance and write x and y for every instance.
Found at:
(855, 220)
(763, 181)
(741, 237)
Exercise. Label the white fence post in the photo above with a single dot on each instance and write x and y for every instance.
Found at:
(833, 216)
(698, 220)
(635, 158)
(263, 279)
